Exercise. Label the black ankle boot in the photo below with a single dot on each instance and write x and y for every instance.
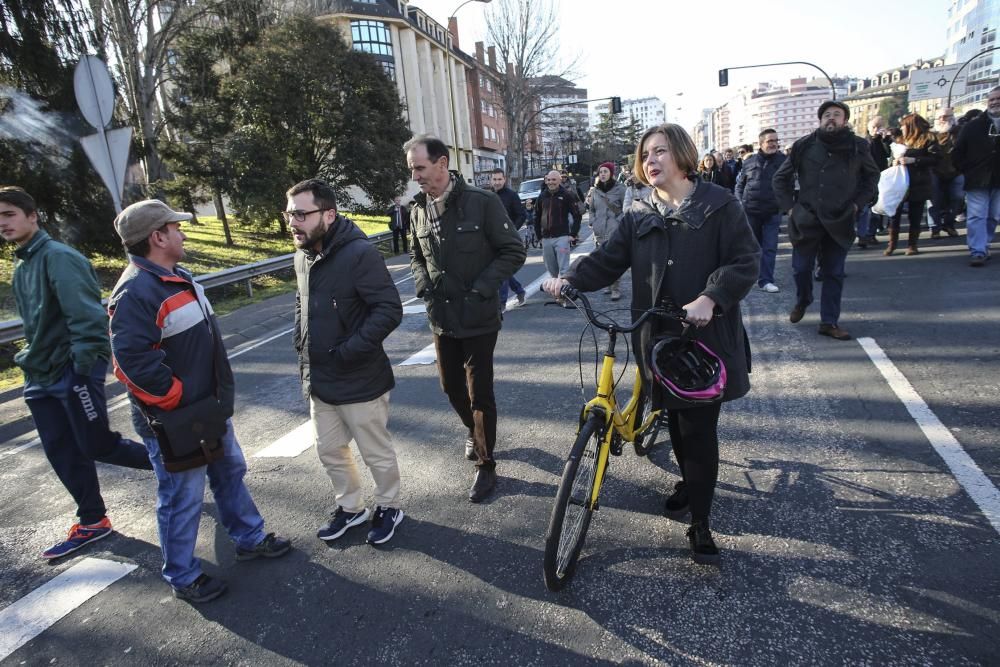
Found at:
(703, 549)
(677, 505)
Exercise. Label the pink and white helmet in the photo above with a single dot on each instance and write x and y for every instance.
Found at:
(688, 369)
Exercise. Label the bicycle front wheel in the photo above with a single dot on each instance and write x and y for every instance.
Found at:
(571, 513)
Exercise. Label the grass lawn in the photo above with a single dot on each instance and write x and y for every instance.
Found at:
(207, 252)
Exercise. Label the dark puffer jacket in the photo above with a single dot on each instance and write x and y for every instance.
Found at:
(705, 247)
(753, 186)
(345, 306)
(458, 273)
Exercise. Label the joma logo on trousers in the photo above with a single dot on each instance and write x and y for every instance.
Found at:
(86, 402)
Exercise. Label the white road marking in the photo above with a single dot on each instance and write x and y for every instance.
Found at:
(43, 607)
(123, 401)
(409, 277)
(291, 444)
(253, 345)
(965, 470)
(424, 356)
(429, 356)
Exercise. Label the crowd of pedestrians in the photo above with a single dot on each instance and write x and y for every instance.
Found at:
(695, 232)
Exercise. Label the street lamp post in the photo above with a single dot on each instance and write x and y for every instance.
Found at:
(966, 64)
(453, 102)
(724, 73)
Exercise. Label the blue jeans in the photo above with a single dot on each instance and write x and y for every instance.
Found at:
(508, 285)
(765, 228)
(179, 497)
(864, 223)
(71, 417)
(832, 257)
(946, 201)
(982, 209)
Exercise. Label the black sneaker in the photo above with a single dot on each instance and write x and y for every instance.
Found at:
(340, 521)
(703, 549)
(384, 524)
(271, 546)
(678, 502)
(202, 589)
(470, 449)
(484, 485)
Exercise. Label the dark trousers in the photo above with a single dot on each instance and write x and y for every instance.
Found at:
(466, 369)
(832, 257)
(396, 234)
(694, 437)
(71, 417)
(914, 214)
(948, 200)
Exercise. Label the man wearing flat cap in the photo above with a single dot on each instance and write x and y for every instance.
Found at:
(837, 179)
(167, 350)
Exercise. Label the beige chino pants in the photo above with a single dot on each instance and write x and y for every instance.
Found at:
(365, 424)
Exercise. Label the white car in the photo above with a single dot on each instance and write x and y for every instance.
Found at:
(530, 189)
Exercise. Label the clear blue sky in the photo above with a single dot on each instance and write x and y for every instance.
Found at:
(640, 48)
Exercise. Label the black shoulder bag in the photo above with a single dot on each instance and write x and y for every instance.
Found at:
(191, 436)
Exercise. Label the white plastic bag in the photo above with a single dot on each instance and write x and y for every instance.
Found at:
(892, 187)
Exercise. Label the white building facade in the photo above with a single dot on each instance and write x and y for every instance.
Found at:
(789, 110)
(649, 111)
(972, 28)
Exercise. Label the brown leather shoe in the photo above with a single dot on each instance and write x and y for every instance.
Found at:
(833, 331)
(797, 313)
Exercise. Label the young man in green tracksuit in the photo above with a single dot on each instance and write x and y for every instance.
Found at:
(64, 364)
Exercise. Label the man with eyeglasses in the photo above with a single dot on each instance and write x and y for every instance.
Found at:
(346, 305)
(756, 192)
(977, 156)
(948, 192)
(464, 247)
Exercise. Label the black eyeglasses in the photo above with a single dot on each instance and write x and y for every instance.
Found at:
(300, 216)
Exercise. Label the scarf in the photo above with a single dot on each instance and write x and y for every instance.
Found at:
(838, 141)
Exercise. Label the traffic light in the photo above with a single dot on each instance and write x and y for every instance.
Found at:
(723, 78)
(616, 105)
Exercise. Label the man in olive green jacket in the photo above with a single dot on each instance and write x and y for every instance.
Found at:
(64, 364)
(464, 246)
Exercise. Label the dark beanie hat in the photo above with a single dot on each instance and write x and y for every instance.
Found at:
(834, 103)
(610, 166)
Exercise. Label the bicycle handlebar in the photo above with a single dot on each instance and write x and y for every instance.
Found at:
(571, 293)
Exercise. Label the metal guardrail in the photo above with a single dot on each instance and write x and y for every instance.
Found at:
(12, 330)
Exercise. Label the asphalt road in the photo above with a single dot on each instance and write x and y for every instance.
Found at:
(846, 538)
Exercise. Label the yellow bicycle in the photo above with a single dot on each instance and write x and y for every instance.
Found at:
(604, 428)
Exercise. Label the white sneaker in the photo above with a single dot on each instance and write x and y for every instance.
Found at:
(770, 288)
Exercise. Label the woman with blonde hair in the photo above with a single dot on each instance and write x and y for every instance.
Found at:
(688, 244)
(920, 157)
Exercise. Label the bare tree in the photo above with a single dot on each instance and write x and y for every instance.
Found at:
(525, 34)
(142, 35)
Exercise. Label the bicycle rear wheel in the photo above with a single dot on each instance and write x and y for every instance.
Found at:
(645, 443)
(571, 514)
